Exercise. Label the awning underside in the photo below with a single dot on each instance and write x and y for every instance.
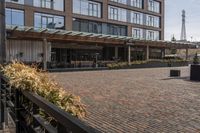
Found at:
(24, 32)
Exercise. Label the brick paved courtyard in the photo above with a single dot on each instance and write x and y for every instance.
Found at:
(138, 100)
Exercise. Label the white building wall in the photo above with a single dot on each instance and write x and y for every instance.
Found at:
(30, 50)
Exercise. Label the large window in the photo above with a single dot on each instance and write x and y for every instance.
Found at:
(113, 12)
(137, 3)
(137, 33)
(152, 35)
(86, 7)
(116, 30)
(154, 6)
(16, 1)
(116, 13)
(49, 21)
(93, 9)
(134, 3)
(152, 21)
(136, 17)
(87, 26)
(14, 17)
(120, 1)
(51, 4)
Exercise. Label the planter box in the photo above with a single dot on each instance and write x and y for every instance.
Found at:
(175, 73)
(195, 72)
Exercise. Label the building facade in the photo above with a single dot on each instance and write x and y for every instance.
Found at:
(138, 19)
(143, 19)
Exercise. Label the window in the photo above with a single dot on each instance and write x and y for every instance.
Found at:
(137, 3)
(49, 21)
(51, 4)
(136, 17)
(116, 30)
(47, 4)
(152, 35)
(14, 17)
(137, 33)
(120, 1)
(116, 13)
(152, 21)
(87, 26)
(93, 9)
(86, 7)
(154, 6)
(113, 13)
(16, 1)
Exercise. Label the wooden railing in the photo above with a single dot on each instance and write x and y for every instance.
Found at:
(24, 108)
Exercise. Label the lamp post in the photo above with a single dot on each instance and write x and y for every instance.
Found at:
(2, 32)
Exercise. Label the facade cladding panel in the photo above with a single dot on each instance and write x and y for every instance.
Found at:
(143, 19)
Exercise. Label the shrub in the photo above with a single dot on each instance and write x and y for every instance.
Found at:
(124, 64)
(196, 59)
(31, 79)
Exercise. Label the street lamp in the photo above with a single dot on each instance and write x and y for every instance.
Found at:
(2, 32)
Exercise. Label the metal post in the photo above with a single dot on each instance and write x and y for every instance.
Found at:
(163, 53)
(45, 54)
(2, 32)
(2, 106)
(147, 53)
(96, 60)
(116, 52)
(186, 56)
(17, 110)
(129, 55)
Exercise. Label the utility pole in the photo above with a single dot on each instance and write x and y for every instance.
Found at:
(2, 32)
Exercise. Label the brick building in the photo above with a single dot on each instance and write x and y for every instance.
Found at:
(70, 32)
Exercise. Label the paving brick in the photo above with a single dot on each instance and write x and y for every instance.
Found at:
(137, 100)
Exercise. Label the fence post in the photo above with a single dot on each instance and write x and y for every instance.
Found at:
(2, 105)
(17, 110)
(35, 111)
(62, 129)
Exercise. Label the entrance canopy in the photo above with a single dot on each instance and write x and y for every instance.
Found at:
(55, 35)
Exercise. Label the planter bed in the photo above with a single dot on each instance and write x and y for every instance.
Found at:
(154, 64)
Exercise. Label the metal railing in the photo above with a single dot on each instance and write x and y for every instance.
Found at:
(24, 108)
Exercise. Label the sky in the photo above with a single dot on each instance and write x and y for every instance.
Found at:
(173, 11)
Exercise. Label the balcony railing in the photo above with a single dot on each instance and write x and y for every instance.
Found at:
(24, 108)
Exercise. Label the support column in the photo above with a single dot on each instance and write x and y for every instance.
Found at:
(129, 55)
(163, 53)
(45, 54)
(116, 52)
(186, 54)
(147, 52)
(2, 32)
(69, 14)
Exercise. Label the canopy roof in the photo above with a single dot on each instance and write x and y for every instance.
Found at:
(24, 32)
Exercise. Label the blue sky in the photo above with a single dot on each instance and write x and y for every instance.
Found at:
(173, 11)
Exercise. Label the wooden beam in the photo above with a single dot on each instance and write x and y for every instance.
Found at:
(43, 31)
(45, 43)
(29, 29)
(14, 28)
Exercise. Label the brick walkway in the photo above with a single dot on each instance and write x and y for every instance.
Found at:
(138, 100)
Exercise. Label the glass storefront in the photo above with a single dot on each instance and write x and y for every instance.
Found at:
(70, 58)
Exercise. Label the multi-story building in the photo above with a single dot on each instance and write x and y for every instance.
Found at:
(137, 18)
(105, 19)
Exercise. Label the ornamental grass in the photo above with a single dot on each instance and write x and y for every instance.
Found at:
(24, 77)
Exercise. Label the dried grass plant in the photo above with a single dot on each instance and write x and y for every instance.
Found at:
(24, 77)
